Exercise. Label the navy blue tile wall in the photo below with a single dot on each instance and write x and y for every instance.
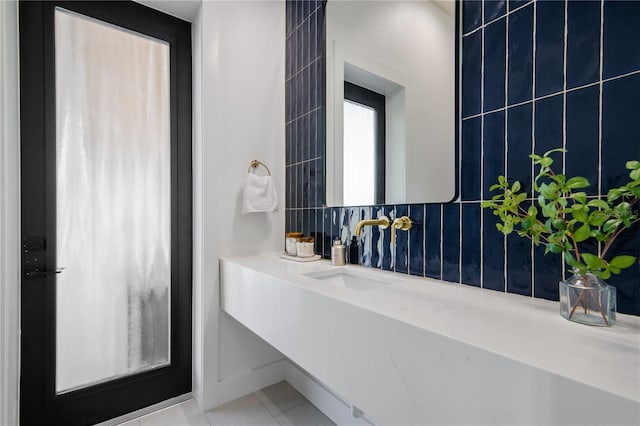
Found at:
(526, 87)
(583, 43)
(549, 47)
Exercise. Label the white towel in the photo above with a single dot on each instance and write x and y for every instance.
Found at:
(259, 194)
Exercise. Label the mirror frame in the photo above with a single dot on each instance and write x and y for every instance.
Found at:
(457, 112)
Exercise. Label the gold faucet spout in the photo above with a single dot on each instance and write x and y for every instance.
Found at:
(383, 222)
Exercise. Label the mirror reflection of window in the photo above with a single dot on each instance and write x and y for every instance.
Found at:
(363, 155)
(359, 175)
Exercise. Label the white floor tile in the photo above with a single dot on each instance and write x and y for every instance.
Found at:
(304, 415)
(280, 397)
(245, 411)
(184, 414)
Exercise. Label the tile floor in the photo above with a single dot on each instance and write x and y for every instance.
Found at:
(276, 405)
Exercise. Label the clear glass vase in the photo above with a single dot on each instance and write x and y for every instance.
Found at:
(588, 300)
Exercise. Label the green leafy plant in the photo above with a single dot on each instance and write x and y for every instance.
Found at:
(564, 218)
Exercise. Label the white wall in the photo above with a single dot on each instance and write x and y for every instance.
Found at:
(9, 213)
(412, 44)
(242, 88)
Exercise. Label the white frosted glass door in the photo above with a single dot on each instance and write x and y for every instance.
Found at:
(113, 202)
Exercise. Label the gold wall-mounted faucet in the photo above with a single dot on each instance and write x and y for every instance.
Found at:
(403, 223)
(383, 222)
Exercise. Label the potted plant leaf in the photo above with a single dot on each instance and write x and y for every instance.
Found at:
(566, 221)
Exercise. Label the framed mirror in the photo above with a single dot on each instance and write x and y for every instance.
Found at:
(402, 56)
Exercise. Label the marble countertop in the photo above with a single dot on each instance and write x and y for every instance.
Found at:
(524, 329)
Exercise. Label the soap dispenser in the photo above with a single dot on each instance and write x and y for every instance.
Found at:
(338, 253)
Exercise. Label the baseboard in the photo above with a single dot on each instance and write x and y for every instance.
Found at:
(332, 405)
(249, 382)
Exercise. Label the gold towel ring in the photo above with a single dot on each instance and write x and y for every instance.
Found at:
(255, 163)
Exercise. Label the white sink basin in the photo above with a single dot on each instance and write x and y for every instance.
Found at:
(352, 279)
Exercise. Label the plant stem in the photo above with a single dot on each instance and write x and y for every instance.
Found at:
(575, 248)
(613, 237)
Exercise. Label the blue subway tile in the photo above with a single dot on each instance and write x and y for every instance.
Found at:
(313, 36)
(306, 37)
(494, 64)
(582, 135)
(320, 25)
(493, 150)
(288, 187)
(494, 9)
(548, 272)
(313, 134)
(514, 4)
(287, 101)
(297, 37)
(292, 191)
(470, 262)
(317, 232)
(376, 241)
(518, 265)
(549, 127)
(288, 141)
(519, 145)
(299, 94)
(520, 66)
(307, 89)
(402, 243)
(288, 220)
(549, 47)
(621, 38)
(388, 262)
(298, 221)
(471, 159)
(308, 221)
(327, 237)
(366, 239)
(315, 182)
(493, 253)
(303, 185)
(319, 87)
(305, 138)
(416, 240)
(288, 12)
(620, 129)
(451, 243)
(294, 141)
(433, 231)
(627, 283)
(335, 224)
(313, 83)
(343, 225)
(583, 43)
(471, 73)
(471, 15)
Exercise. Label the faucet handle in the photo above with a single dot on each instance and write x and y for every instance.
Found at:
(403, 223)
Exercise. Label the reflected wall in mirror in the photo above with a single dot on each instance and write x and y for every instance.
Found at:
(405, 53)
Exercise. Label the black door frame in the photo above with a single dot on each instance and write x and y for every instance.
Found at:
(39, 403)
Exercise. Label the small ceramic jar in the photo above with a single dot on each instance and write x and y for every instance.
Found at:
(305, 247)
(291, 238)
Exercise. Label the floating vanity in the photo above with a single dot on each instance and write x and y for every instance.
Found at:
(408, 350)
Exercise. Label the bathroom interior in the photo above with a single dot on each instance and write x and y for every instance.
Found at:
(143, 283)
